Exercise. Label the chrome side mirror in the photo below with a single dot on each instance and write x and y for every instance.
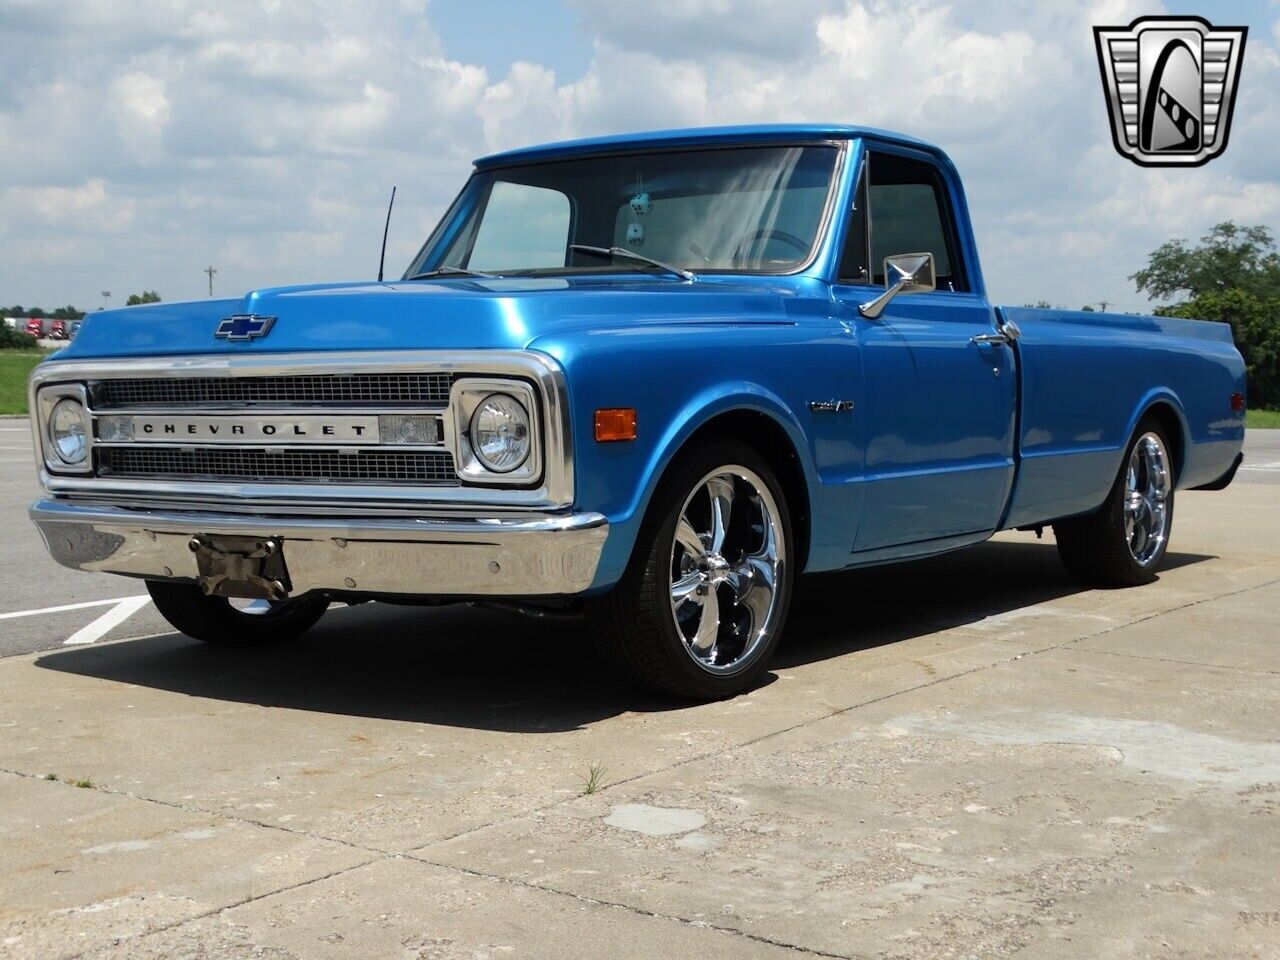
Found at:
(904, 273)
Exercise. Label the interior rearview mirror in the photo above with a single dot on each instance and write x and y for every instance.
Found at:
(903, 273)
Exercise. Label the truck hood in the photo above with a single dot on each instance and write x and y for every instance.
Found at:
(457, 313)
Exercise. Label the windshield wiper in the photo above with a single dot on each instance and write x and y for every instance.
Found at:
(453, 272)
(632, 255)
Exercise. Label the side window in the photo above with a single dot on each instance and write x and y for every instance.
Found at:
(911, 213)
(523, 227)
(855, 263)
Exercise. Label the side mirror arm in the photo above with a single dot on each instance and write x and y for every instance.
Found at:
(873, 308)
(915, 273)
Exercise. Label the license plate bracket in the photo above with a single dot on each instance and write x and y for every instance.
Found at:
(246, 567)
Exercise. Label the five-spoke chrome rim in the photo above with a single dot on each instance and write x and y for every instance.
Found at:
(1148, 484)
(727, 569)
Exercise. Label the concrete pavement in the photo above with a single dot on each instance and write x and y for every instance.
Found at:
(967, 756)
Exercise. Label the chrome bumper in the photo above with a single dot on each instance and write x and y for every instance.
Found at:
(538, 555)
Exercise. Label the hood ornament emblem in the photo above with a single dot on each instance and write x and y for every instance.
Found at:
(243, 326)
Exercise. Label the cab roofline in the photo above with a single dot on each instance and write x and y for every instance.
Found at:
(692, 137)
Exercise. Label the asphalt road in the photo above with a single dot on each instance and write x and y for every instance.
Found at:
(1261, 457)
(36, 589)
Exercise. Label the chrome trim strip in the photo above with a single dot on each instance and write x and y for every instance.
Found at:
(531, 555)
(554, 490)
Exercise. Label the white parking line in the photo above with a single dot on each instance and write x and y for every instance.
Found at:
(117, 615)
(71, 606)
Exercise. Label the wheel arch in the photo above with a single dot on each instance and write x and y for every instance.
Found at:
(768, 437)
(1164, 405)
(757, 417)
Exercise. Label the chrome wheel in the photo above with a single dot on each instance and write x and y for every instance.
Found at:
(726, 564)
(1148, 484)
(252, 608)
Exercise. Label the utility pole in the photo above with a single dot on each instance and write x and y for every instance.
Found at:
(212, 273)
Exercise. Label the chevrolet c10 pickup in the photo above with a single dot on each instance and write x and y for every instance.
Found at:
(648, 378)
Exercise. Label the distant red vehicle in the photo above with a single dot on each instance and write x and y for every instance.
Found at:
(58, 330)
(35, 327)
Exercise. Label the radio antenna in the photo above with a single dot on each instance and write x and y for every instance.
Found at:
(382, 260)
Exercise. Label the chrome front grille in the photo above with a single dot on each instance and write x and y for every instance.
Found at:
(355, 389)
(297, 466)
(132, 401)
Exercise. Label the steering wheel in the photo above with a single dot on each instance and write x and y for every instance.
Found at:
(769, 233)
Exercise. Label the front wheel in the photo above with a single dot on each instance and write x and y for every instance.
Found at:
(229, 623)
(1123, 542)
(700, 609)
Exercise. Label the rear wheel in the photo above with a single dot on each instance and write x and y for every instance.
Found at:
(1123, 542)
(702, 604)
(235, 623)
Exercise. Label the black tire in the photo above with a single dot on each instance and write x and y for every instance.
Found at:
(634, 623)
(214, 620)
(1095, 548)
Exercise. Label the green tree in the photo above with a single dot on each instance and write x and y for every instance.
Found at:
(1228, 257)
(147, 296)
(1232, 275)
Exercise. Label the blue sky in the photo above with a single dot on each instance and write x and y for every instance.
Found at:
(146, 139)
(545, 32)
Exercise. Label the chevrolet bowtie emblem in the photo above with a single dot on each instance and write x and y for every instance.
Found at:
(244, 326)
(1171, 88)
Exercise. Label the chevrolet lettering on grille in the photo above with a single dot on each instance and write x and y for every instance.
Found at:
(272, 431)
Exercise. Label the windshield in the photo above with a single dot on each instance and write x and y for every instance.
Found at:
(745, 209)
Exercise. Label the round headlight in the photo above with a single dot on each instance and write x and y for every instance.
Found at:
(500, 433)
(66, 429)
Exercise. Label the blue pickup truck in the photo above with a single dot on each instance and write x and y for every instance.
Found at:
(652, 378)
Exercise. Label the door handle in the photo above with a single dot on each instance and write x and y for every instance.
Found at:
(993, 338)
(1008, 332)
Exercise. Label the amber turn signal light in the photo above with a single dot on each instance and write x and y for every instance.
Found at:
(617, 423)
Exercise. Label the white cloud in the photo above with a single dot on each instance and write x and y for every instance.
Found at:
(141, 111)
(265, 135)
(87, 205)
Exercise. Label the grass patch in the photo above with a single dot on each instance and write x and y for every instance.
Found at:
(1262, 419)
(593, 782)
(15, 366)
(84, 783)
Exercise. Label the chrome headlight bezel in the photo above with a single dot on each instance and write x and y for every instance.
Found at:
(466, 398)
(46, 400)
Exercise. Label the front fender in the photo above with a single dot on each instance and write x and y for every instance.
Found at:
(680, 379)
(695, 414)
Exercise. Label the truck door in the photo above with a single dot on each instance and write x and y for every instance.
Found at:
(939, 409)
